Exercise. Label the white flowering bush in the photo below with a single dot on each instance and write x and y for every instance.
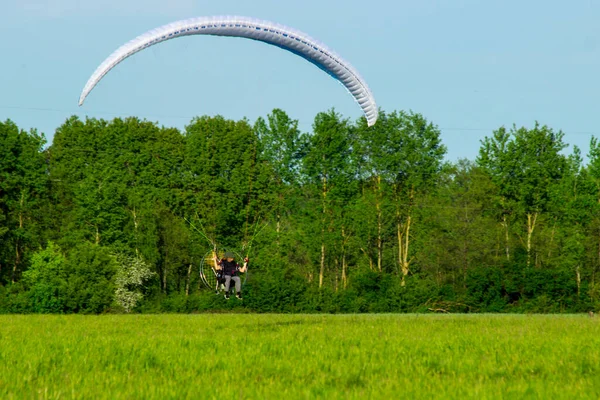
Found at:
(130, 278)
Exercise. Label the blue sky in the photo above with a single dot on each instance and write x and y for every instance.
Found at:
(467, 66)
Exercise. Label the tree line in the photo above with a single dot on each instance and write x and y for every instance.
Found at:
(117, 216)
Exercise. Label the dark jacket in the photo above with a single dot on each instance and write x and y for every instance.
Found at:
(229, 268)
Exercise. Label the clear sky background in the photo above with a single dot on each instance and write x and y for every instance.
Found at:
(469, 66)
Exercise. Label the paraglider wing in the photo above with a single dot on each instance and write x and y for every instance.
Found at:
(250, 28)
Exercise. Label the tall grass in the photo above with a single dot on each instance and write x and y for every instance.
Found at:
(299, 356)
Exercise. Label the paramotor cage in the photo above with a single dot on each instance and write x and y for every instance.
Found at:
(208, 273)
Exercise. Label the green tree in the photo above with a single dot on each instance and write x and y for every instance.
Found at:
(525, 165)
(90, 272)
(328, 172)
(106, 174)
(282, 148)
(460, 228)
(46, 280)
(403, 152)
(23, 197)
(220, 177)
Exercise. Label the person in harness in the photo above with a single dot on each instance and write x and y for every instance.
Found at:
(228, 270)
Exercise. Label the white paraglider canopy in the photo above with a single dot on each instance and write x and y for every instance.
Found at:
(268, 32)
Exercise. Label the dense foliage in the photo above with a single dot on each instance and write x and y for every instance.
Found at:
(118, 215)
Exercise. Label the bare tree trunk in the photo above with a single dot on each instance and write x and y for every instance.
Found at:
(403, 245)
(578, 274)
(16, 263)
(371, 266)
(399, 232)
(187, 282)
(278, 230)
(344, 273)
(506, 246)
(323, 217)
(405, 260)
(531, 219)
(404, 240)
(322, 269)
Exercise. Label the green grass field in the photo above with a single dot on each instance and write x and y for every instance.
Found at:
(299, 356)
